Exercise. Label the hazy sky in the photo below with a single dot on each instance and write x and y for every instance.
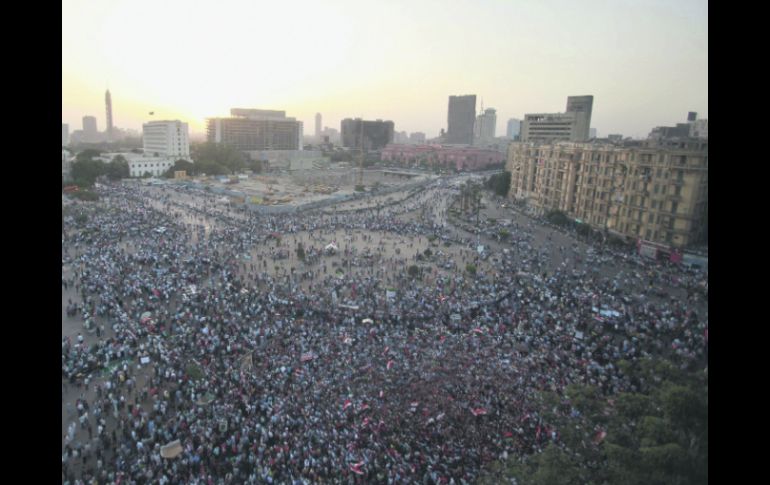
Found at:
(644, 61)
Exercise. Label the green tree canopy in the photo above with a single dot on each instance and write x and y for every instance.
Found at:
(179, 165)
(219, 154)
(88, 154)
(85, 171)
(118, 168)
(658, 435)
(500, 183)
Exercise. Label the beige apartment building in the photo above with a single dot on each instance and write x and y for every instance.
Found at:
(654, 190)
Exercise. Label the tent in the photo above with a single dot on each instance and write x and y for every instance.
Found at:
(331, 248)
(171, 450)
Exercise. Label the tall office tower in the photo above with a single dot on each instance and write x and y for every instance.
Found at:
(65, 134)
(582, 106)
(484, 130)
(256, 129)
(89, 126)
(514, 128)
(592, 133)
(170, 139)
(108, 103)
(460, 120)
(318, 126)
(573, 125)
(375, 134)
(692, 116)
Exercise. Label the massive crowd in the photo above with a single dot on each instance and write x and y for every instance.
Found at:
(354, 373)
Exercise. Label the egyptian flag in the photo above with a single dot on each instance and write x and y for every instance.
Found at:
(347, 404)
(356, 468)
(600, 437)
(478, 411)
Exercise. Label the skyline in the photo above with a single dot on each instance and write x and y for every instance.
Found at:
(645, 63)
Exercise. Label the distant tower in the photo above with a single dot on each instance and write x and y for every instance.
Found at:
(108, 102)
(461, 119)
(89, 125)
(318, 126)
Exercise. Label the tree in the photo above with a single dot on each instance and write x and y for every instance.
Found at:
(558, 218)
(471, 269)
(118, 168)
(180, 165)
(219, 154)
(85, 171)
(657, 435)
(413, 271)
(300, 251)
(210, 168)
(499, 183)
(87, 154)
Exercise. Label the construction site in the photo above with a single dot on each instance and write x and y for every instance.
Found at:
(307, 187)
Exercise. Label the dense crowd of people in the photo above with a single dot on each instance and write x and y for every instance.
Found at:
(354, 373)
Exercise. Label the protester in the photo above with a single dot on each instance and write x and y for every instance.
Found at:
(340, 367)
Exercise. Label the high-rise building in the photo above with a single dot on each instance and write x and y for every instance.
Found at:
(514, 128)
(169, 139)
(582, 106)
(375, 134)
(653, 190)
(65, 134)
(573, 125)
(256, 129)
(108, 104)
(401, 137)
(460, 120)
(417, 138)
(592, 133)
(318, 126)
(484, 129)
(89, 125)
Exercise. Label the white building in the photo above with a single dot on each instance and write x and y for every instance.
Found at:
(139, 164)
(156, 166)
(699, 129)
(65, 134)
(167, 139)
(574, 125)
(484, 129)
